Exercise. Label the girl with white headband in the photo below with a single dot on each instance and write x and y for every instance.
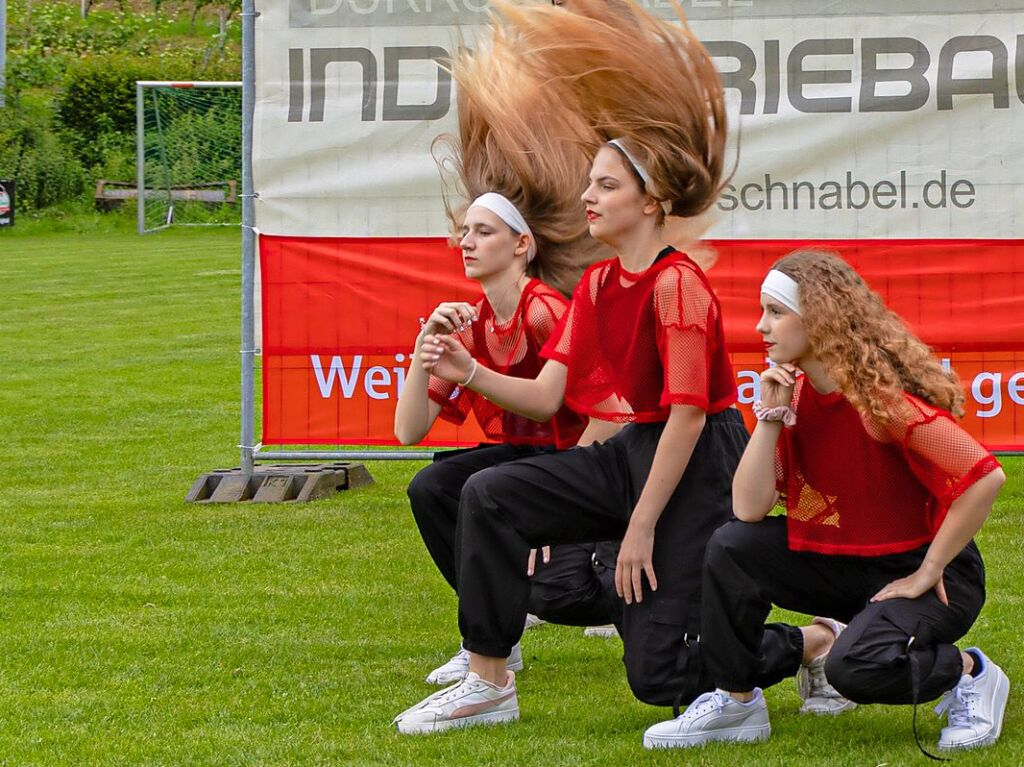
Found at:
(641, 353)
(522, 223)
(883, 490)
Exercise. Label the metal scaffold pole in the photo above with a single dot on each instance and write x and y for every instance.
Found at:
(3, 48)
(248, 445)
(140, 162)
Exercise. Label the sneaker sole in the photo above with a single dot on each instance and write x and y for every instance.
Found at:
(426, 728)
(727, 735)
(1002, 695)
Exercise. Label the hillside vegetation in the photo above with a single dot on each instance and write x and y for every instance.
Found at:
(69, 117)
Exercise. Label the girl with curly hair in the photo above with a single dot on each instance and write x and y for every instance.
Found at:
(883, 491)
(641, 353)
(523, 238)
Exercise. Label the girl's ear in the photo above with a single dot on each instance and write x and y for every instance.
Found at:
(523, 245)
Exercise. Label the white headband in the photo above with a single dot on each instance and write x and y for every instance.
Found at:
(503, 208)
(783, 289)
(642, 172)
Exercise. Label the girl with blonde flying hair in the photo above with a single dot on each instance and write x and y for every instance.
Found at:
(641, 352)
(524, 239)
(883, 490)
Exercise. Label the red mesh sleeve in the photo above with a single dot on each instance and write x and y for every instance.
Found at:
(685, 311)
(945, 458)
(455, 402)
(558, 344)
(543, 316)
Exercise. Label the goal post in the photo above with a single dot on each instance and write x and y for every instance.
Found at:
(188, 146)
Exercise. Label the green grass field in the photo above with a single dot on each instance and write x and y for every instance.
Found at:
(138, 630)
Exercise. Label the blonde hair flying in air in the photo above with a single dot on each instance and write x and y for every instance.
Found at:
(515, 138)
(636, 78)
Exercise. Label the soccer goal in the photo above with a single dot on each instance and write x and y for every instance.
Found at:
(188, 154)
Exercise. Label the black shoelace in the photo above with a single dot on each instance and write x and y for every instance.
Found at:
(915, 690)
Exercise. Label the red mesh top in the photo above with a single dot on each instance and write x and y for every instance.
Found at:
(513, 349)
(635, 344)
(855, 487)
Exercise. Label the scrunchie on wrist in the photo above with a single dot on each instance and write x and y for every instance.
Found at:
(783, 413)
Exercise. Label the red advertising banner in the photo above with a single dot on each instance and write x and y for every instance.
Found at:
(340, 317)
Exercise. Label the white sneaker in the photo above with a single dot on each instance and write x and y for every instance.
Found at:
(975, 707)
(604, 632)
(532, 621)
(466, 704)
(819, 696)
(714, 716)
(457, 667)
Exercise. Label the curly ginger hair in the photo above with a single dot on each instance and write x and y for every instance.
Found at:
(865, 347)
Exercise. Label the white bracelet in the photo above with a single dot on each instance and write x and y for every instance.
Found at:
(472, 373)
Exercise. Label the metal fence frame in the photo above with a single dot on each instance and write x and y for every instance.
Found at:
(250, 450)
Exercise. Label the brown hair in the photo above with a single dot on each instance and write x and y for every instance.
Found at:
(865, 347)
(514, 138)
(633, 77)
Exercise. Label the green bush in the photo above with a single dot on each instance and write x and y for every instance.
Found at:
(43, 43)
(44, 168)
(55, 27)
(71, 93)
(98, 97)
(27, 69)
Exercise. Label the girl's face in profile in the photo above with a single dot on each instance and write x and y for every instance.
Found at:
(489, 246)
(785, 339)
(615, 202)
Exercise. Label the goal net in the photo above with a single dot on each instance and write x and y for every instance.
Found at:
(188, 154)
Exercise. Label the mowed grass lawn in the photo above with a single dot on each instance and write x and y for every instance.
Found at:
(137, 629)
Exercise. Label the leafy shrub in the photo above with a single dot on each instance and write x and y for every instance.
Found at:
(43, 43)
(84, 73)
(44, 168)
(99, 93)
(98, 98)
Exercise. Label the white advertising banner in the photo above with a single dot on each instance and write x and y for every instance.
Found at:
(883, 124)
(890, 133)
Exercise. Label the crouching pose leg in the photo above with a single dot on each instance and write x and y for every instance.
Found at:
(884, 492)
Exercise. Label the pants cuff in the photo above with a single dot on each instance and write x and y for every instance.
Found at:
(489, 649)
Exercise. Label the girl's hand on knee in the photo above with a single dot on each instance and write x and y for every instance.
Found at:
(635, 558)
(914, 585)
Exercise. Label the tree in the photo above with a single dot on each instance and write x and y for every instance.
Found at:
(225, 10)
